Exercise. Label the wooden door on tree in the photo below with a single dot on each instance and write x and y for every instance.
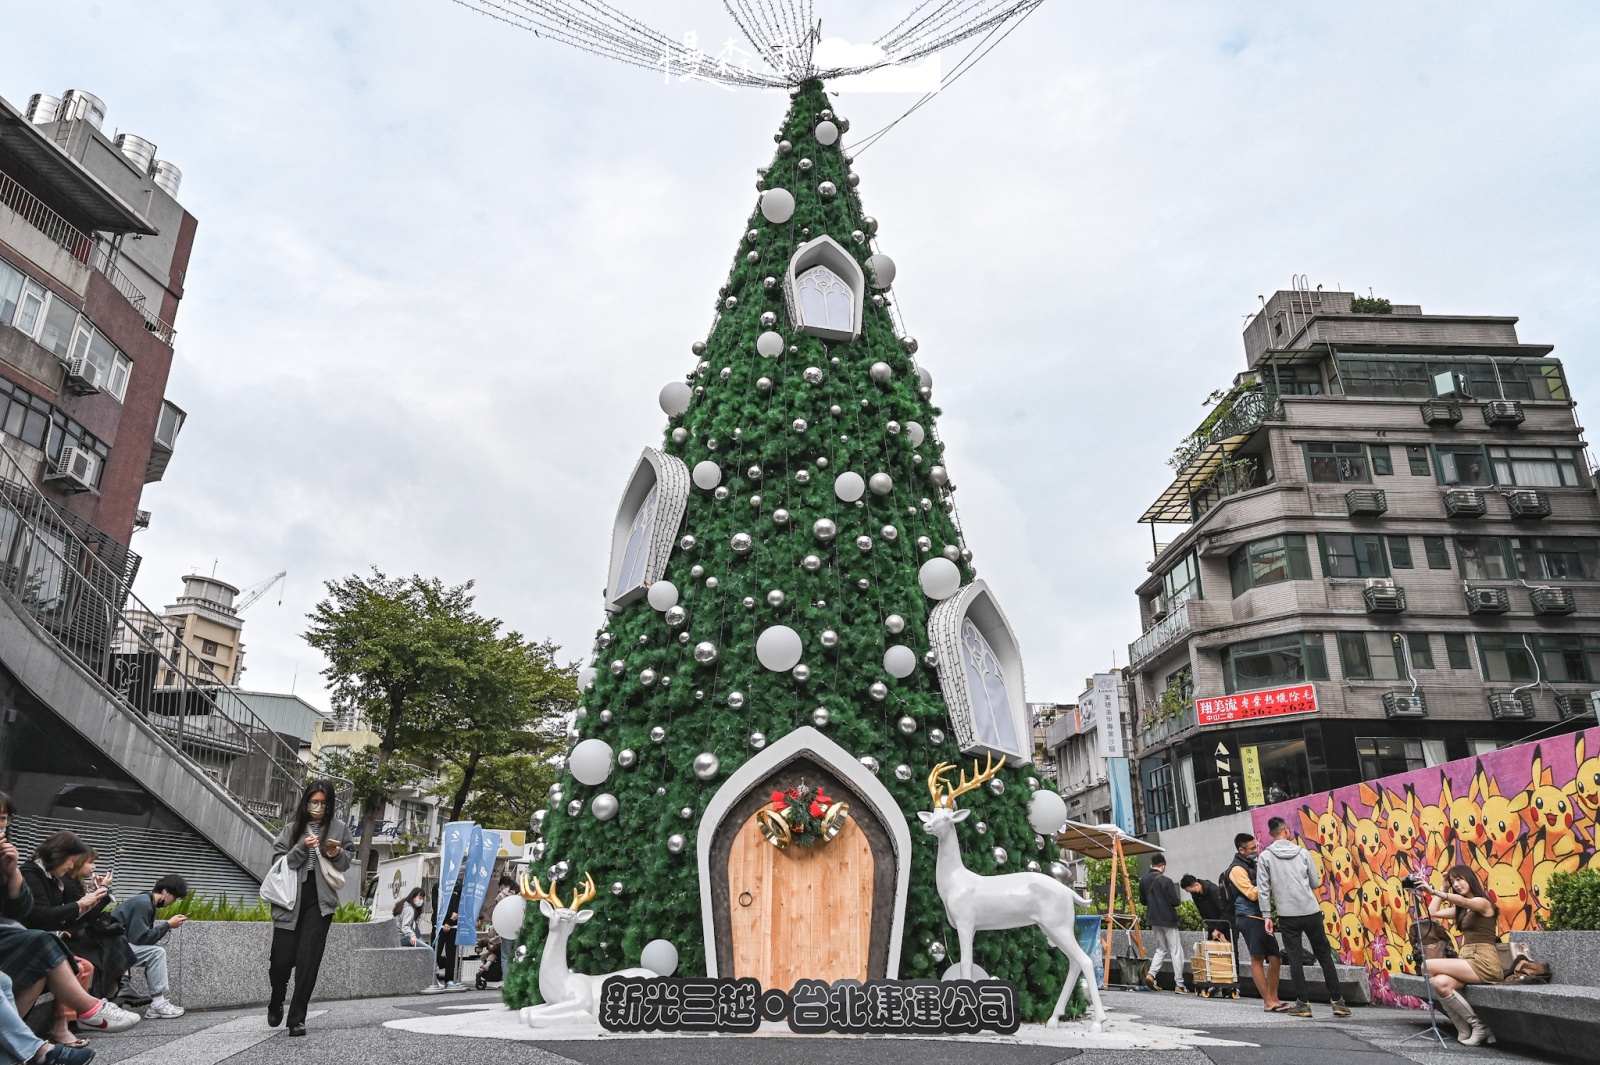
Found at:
(800, 913)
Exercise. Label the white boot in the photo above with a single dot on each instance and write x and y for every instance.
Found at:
(1470, 1030)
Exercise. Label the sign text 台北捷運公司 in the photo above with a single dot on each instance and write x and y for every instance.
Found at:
(1249, 706)
(811, 1007)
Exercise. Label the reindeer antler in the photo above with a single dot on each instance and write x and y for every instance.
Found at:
(537, 893)
(944, 796)
(938, 787)
(585, 893)
(990, 769)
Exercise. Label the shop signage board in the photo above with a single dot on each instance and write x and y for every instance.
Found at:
(1108, 715)
(1254, 706)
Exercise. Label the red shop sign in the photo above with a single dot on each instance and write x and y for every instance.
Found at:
(1251, 706)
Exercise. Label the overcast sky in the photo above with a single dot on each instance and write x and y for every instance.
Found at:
(443, 267)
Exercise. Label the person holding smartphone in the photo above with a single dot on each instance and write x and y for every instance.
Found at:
(62, 906)
(319, 849)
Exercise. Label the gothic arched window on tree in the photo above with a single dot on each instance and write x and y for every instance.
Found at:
(637, 553)
(991, 706)
(825, 300)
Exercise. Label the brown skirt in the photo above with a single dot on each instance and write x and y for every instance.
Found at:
(1485, 961)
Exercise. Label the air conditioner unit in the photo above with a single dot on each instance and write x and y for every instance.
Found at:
(1547, 600)
(1382, 597)
(1404, 705)
(1488, 601)
(1575, 704)
(75, 470)
(83, 377)
(1503, 412)
(1528, 503)
(1465, 503)
(1158, 608)
(1451, 385)
(1511, 706)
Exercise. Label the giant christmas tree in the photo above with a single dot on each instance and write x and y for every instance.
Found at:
(796, 503)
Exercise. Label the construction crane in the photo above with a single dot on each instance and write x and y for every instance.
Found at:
(256, 591)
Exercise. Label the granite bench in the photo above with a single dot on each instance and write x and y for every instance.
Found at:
(1561, 1017)
(1354, 983)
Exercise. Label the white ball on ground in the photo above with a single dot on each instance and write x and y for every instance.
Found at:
(675, 398)
(660, 957)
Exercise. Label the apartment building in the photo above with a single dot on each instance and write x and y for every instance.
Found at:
(1382, 551)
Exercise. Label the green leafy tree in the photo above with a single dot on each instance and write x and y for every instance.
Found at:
(394, 645)
(506, 790)
(780, 428)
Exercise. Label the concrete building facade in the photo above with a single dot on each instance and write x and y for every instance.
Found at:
(1389, 557)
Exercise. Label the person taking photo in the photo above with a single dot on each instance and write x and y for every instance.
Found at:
(1464, 901)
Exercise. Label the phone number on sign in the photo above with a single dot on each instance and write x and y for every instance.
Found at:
(1247, 706)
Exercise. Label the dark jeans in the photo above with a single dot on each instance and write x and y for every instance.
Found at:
(1311, 925)
(299, 952)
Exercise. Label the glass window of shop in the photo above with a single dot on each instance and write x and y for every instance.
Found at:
(1236, 771)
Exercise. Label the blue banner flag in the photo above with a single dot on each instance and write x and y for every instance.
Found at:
(480, 864)
(452, 853)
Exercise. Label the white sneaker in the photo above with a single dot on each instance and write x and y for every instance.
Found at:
(110, 1018)
(163, 1009)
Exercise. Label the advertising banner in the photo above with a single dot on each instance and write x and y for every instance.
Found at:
(452, 853)
(1515, 817)
(481, 854)
(1108, 715)
(1253, 706)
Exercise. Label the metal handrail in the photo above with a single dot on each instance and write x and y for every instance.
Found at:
(81, 247)
(80, 600)
(33, 211)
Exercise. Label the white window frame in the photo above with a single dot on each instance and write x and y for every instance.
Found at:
(949, 634)
(665, 479)
(827, 252)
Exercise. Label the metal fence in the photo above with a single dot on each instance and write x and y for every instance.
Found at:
(33, 211)
(77, 591)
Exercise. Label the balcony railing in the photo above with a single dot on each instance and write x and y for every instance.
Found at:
(1160, 636)
(78, 594)
(1161, 730)
(81, 247)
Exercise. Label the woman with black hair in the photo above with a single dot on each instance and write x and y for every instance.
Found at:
(408, 915)
(1476, 918)
(318, 849)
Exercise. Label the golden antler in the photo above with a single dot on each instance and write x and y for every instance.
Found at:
(938, 787)
(990, 769)
(537, 893)
(585, 893)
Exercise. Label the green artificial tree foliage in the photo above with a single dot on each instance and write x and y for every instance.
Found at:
(780, 436)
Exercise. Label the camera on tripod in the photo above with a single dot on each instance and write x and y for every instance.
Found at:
(1414, 882)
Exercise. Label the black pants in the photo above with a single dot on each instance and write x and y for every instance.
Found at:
(1311, 925)
(299, 952)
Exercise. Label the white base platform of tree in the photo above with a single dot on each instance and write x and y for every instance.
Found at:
(1122, 1032)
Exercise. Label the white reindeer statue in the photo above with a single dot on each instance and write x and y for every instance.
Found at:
(975, 903)
(568, 996)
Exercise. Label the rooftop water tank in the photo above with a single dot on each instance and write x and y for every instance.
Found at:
(42, 108)
(76, 104)
(166, 176)
(140, 152)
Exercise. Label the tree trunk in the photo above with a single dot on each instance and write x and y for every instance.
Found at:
(370, 809)
(467, 772)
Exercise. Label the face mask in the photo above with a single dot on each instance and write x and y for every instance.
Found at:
(317, 809)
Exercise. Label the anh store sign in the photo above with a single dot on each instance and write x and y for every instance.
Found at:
(1254, 706)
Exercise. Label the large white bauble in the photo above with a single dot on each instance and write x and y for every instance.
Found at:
(590, 761)
(663, 595)
(900, 661)
(660, 957)
(1047, 812)
(769, 345)
(826, 132)
(586, 677)
(777, 205)
(849, 486)
(507, 916)
(675, 398)
(779, 648)
(707, 474)
(924, 376)
(915, 433)
(954, 972)
(939, 577)
(881, 269)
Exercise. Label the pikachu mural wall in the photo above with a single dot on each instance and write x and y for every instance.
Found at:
(1515, 816)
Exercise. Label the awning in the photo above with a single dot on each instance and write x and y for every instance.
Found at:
(89, 196)
(1099, 841)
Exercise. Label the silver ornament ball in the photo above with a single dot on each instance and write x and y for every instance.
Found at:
(647, 677)
(675, 843)
(1000, 855)
(801, 672)
(997, 786)
(626, 758)
(879, 690)
(758, 740)
(907, 724)
(658, 734)
(675, 616)
(895, 624)
(741, 543)
(828, 638)
(880, 372)
(811, 563)
(824, 529)
(705, 652)
(706, 765)
(735, 700)
(864, 543)
(870, 762)
(902, 772)
(936, 735)
(820, 716)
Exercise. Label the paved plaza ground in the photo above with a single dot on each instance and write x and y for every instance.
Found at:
(354, 1033)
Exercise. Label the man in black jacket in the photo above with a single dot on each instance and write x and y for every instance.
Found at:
(1212, 903)
(1161, 898)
